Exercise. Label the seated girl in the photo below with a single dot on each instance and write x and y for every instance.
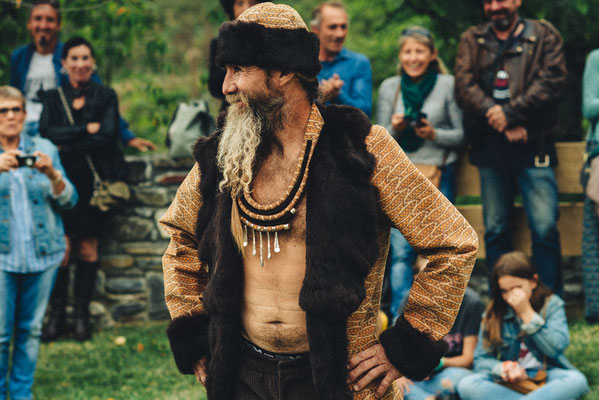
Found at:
(523, 335)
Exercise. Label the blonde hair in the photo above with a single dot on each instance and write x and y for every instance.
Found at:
(9, 92)
(422, 36)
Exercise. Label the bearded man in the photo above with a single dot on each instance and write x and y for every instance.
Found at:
(510, 73)
(280, 232)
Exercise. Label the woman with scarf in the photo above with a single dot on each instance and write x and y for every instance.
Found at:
(418, 108)
(81, 117)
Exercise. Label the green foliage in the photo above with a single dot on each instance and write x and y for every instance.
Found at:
(164, 38)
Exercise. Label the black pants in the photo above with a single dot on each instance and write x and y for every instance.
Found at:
(268, 376)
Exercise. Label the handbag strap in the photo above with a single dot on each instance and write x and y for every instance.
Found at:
(67, 109)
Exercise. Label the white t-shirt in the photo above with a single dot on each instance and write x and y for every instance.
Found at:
(41, 76)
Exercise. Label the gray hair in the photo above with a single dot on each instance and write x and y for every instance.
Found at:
(316, 18)
(9, 92)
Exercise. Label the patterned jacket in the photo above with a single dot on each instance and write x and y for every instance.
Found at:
(380, 188)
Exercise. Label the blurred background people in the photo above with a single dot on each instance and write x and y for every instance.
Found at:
(524, 331)
(346, 76)
(418, 108)
(36, 67)
(33, 187)
(94, 133)
(590, 220)
(216, 75)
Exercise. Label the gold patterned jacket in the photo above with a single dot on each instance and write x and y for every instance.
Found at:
(406, 201)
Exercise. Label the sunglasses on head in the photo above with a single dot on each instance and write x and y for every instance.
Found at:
(16, 110)
(418, 31)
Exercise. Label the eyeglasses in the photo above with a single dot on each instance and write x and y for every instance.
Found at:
(15, 110)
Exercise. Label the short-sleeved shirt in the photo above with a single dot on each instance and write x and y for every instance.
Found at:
(467, 323)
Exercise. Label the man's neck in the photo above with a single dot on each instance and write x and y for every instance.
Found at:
(291, 136)
(9, 143)
(327, 56)
(504, 35)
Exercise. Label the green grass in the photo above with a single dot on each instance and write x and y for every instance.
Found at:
(103, 370)
(142, 368)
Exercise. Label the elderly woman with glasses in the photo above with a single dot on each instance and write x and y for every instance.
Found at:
(33, 187)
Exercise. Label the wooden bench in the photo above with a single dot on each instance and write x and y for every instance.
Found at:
(570, 222)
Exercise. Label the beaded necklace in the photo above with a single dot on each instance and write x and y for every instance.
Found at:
(276, 217)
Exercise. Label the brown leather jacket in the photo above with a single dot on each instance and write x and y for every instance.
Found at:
(537, 70)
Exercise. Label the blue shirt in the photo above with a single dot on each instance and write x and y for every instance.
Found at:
(27, 249)
(355, 72)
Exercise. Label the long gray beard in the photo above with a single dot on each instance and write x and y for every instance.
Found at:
(248, 132)
(237, 149)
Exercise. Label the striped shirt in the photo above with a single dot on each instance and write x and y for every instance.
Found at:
(22, 257)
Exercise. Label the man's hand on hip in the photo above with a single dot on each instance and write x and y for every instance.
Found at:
(496, 118)
(369, 365)
(200, 370)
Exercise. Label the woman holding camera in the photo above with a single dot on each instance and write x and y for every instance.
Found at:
(418, 108)
(33, 187)
(81, 117)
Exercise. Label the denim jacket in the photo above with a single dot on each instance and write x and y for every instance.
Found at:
(48, 230)
(546, 336)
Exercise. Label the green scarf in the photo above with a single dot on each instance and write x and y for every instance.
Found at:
(413, 95)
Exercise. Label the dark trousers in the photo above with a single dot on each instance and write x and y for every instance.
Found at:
(263, 377)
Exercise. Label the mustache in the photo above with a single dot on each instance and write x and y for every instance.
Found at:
(499, 12)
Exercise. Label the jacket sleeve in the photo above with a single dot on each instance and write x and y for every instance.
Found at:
(185, 277)
(51, 125)
(107, 114)
(486, 360)
(69, 196)
(469, 94)
(550, 335)
(546, 86)
(438, 232)
(358, 92)
(453, 135)
(14, 73)
(385, 104)
(590, 87)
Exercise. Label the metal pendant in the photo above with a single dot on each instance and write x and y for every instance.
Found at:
(253, 242)
(261, 251)
(268, 255)
(245, 236)
(276, 244)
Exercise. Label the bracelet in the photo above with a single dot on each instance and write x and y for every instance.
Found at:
(58, 178)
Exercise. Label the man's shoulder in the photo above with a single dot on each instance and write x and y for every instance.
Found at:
(354, 55)
(477, 30)
(21, 51)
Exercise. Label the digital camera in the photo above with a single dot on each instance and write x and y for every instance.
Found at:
(26, 160)
(415, 122)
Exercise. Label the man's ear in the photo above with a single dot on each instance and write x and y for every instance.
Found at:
(283, 77)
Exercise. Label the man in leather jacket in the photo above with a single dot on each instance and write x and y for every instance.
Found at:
(510, 73)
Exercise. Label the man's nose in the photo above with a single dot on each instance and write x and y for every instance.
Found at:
(229, 86)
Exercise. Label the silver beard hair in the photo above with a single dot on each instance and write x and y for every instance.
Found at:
(237, 148)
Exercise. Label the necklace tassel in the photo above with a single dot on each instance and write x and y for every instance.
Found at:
(245, 236)
(253, 242)
(261, 251)
(276, 244)
(268, 255)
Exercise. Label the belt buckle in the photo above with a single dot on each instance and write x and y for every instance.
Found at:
(541, 164)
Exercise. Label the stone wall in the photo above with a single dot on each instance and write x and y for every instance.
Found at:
(130, 284)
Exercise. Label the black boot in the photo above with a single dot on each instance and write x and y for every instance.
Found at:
(55, 327)
(85, 281)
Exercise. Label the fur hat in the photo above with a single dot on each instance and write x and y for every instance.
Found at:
(269, 36)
